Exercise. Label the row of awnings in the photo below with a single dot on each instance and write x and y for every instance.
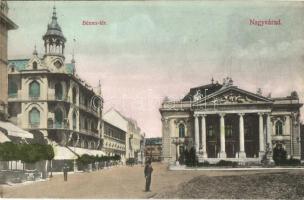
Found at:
(71, 153)
(9, 131)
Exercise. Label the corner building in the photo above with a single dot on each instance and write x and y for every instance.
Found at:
(5, 25)
(224, 122)
(47, 98)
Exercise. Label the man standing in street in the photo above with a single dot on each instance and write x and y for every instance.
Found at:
(65, 172)
(148, 173)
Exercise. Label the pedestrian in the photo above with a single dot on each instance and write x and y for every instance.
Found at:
(148, 174)
(65, 172)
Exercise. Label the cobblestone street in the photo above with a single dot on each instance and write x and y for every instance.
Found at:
(128, 182)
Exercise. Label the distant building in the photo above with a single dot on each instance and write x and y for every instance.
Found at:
(134, 136)
(114, 142)
(224, 122)
(47, 98)
(153, 149)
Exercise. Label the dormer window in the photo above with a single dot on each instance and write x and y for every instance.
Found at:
(35, 65)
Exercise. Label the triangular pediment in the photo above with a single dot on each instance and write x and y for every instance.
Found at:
(231, 95)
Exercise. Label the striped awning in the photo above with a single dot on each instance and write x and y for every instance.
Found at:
(3, 137)
(12, 130)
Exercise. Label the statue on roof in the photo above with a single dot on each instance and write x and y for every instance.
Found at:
(197, 95)
(227, 82)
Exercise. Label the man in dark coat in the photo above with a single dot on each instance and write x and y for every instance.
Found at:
(148, 174)
(65, 172)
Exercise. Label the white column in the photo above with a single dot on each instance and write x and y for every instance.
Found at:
(269, 131)
(261, 136)
(222, 128)
(242, 153)
(204, 147)
(287, 126)
(196, 133)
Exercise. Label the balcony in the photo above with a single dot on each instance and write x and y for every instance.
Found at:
(89, 132)
(34, 125)
(59, 98)
(13, 96)
(58, 125)
(88, 108)
(18, 97)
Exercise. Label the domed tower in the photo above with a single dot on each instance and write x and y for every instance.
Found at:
(54, 40)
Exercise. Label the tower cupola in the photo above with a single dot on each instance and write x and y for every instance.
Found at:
(54, 40)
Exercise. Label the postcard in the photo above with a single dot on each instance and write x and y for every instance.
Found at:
(152, 99)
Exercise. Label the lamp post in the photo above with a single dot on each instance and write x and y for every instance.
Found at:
(177, 142)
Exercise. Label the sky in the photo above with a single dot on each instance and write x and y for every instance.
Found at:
(151, 49)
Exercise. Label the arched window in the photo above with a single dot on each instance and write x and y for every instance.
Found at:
(35, 65)
(74, 94)
(34, 117)
(58, 118)
(34, 90)
(181, 130)
(58, 91)
(86, 144)
(86, 125)
(12, 89)
(279, 128)
(74, 121)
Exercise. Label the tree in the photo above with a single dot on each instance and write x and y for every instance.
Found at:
(279, 155)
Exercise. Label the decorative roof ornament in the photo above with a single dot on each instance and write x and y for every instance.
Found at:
(54, 40)
(259, 91)
(198, 96)
(227, 82)
(35, 51)
(212, 81)
(99, 92)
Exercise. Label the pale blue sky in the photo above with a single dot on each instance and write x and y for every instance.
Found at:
(151, 49)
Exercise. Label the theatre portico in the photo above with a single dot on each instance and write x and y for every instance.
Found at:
(224, 122)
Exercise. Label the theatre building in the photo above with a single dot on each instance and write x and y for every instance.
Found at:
(225, 122)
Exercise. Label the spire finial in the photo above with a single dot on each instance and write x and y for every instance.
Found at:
(35, 51)
(99, 92)
(212, 80)
(73, 53)
(54, 12)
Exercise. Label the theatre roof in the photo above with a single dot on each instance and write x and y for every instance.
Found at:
(210, 88)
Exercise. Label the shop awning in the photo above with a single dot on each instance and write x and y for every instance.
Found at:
(63, 153)
(71, 153)
(12, 130)
(3, 138)
(81, 151)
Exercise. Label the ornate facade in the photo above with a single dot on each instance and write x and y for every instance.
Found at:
(47, 97)
(222, 121)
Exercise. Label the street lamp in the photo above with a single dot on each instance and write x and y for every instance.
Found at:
(177, 142)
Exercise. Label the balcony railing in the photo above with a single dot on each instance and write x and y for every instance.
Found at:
(89, 132)
(58, 125)
(59, 98)
(13, 96)
(34, 125)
